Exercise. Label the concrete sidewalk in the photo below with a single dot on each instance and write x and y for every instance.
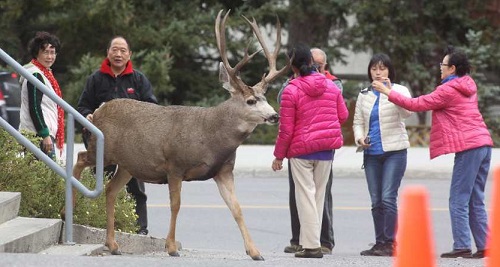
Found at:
(256, 160)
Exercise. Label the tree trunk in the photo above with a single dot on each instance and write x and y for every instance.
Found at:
(308, 24)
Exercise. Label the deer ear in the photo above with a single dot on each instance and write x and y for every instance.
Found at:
(224, 77)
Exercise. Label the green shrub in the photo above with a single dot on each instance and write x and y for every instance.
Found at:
(43, 191)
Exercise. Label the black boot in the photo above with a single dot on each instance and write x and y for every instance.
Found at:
(479, 254)
(373, 250)
(309, 253)
(458, 253)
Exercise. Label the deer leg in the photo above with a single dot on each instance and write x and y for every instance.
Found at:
(174, 187)
(81, 163)
(119, 180)
(225, 183)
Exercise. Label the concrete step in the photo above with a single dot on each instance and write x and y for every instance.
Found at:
(129, 243)
(9, 205)
(76, 250)
(29, 235)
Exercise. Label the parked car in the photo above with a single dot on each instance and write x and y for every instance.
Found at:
(3, 107)
(10, 95)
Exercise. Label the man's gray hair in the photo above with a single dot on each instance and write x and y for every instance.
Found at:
(317, 50)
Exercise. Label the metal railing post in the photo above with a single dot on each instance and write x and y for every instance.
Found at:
(70, 131)
(69, 186)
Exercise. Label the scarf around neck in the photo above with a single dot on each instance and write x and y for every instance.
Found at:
(60, 112)
(449, 78)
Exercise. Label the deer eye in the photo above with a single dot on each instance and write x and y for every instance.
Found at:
(251, 101)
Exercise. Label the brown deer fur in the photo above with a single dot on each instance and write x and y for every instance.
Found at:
(158, 144)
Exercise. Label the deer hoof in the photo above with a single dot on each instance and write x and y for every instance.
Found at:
(116, 252)
(258, 258)
(174, 254)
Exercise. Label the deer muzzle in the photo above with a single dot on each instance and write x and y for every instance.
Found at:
(273, 118)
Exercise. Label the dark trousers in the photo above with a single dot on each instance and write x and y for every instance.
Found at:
(138, 192)
(134, 187)
(326, 237)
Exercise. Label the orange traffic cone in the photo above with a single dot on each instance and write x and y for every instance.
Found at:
(493, 244)
(415, 246)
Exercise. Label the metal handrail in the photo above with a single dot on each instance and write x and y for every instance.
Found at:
(70, 130)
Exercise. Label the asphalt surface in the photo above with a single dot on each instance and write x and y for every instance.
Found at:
(255, 161)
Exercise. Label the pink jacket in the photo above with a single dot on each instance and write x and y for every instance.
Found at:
(311, 111)
(457, 124)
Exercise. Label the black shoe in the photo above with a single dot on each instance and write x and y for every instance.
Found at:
(143, 232)
(372, 251)
(309, 253)
(293, 248)
(458, 253)
(479, 254)
(386, 250)
(326, 250)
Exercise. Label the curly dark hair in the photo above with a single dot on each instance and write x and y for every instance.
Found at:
(459, 59)
(41, 41)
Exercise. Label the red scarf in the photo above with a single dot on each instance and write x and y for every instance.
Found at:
(60, 112)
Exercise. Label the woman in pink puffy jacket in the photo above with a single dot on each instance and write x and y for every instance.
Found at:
(311, 112)
(457, 127)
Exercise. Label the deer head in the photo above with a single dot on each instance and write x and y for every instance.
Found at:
(253, 95)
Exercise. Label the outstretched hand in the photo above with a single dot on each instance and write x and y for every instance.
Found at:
(383, 87)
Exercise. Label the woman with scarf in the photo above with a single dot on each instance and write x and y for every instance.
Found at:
(39, 113)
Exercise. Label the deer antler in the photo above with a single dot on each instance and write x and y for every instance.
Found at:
(271, 57)
(220, 35)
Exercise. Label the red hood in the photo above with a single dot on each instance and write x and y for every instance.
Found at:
(106, 68)
(465, 85)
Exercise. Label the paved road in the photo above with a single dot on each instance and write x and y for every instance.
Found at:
(206, 223)
(210, 236)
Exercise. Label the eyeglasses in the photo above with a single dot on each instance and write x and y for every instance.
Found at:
(52, 53)
(443, 64)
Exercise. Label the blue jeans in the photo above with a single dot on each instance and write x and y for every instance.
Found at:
(384, 174)
(467, 209)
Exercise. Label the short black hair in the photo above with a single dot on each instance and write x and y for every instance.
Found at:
(302, 59)
(41, 41)
(116, 37)
(459, 59)
(386, 61)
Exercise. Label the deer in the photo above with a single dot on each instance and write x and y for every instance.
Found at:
(171, 144)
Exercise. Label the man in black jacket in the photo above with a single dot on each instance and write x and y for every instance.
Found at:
(117, 79)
